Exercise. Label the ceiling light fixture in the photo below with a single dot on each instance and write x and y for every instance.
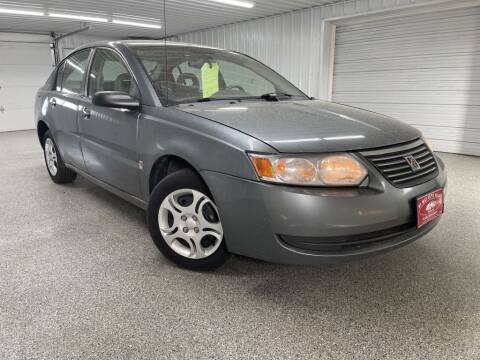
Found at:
(241, 3)
(21, 12)
(132, 23)
(78, 17)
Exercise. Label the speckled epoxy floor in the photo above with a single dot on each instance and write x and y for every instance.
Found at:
(81, 279)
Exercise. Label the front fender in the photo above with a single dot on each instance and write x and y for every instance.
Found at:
(205, 144)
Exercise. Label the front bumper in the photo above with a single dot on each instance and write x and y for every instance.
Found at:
(294, 225)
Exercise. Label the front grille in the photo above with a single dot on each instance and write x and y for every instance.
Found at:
(392, 163)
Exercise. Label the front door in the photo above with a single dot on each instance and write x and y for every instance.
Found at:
(109, 136)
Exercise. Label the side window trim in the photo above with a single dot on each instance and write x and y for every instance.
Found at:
(90, 66)
(60, 68)
(124, 63)
(86, 77)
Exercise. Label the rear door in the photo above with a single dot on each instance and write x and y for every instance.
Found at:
(109, 136)
(63, 107)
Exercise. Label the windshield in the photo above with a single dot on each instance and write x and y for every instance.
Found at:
(193, 74)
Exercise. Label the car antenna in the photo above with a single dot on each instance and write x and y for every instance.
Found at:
(164, 73)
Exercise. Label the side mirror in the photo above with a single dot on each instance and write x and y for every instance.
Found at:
(115, 99)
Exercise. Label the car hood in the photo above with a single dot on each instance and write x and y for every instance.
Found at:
(307, 126)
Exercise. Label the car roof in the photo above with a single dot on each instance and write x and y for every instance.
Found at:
(128, 43)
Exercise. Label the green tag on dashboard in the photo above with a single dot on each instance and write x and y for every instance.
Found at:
(210, 83)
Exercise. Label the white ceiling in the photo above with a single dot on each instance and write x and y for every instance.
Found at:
(182, 15)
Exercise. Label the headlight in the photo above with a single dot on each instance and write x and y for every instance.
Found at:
(321, 170)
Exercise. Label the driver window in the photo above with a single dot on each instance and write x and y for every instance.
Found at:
(108, 73)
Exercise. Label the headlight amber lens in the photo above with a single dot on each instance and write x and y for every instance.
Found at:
(264, 167)
(341, 170)
(293, 170)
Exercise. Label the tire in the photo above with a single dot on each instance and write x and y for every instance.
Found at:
(184, 222)
(56, 168)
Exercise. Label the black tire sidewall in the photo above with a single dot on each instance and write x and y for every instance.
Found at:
(63, 174)
(182, 179)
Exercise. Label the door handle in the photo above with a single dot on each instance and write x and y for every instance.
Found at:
(53, 102)
(2, 109)
(86, 113)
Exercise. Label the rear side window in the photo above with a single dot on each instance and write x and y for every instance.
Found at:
(74, 71)
(109, 73)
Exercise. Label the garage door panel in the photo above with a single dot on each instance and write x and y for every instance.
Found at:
(18, 119)
(465, 64)
(451, 134)
(21, 75)
(408, 29)
(18, 96)
(24, 54)
(360, 24)
(455, 116)
(462, 42)
(24, 68)
(425, 82)
(423, 70)
(456, 147)
(411, 97)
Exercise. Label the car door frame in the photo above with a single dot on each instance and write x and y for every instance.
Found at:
(87, 99)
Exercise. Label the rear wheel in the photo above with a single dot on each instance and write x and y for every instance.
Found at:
(184, 222)
(57, 170)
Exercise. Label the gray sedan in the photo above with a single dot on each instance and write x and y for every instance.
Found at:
(226, 156)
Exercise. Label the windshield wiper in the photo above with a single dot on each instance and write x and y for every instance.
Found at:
(274, 96)
(216, 99)
(267, 97)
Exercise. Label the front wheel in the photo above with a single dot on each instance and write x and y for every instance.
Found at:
(184, 222)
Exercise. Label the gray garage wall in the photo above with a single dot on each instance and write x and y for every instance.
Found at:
(277, 41)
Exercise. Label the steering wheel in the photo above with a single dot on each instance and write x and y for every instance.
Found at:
(181, 80)
(235, 87)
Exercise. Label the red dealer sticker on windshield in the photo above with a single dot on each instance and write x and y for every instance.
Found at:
(429, 207)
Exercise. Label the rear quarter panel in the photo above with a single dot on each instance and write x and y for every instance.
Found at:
(41, 107)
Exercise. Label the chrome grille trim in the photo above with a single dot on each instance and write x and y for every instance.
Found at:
(391, 163)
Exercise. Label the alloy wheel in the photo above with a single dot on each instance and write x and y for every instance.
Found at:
(190, 224)
(51, 157)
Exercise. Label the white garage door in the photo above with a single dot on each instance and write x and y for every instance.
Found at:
(24, 67)
(422, 69)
